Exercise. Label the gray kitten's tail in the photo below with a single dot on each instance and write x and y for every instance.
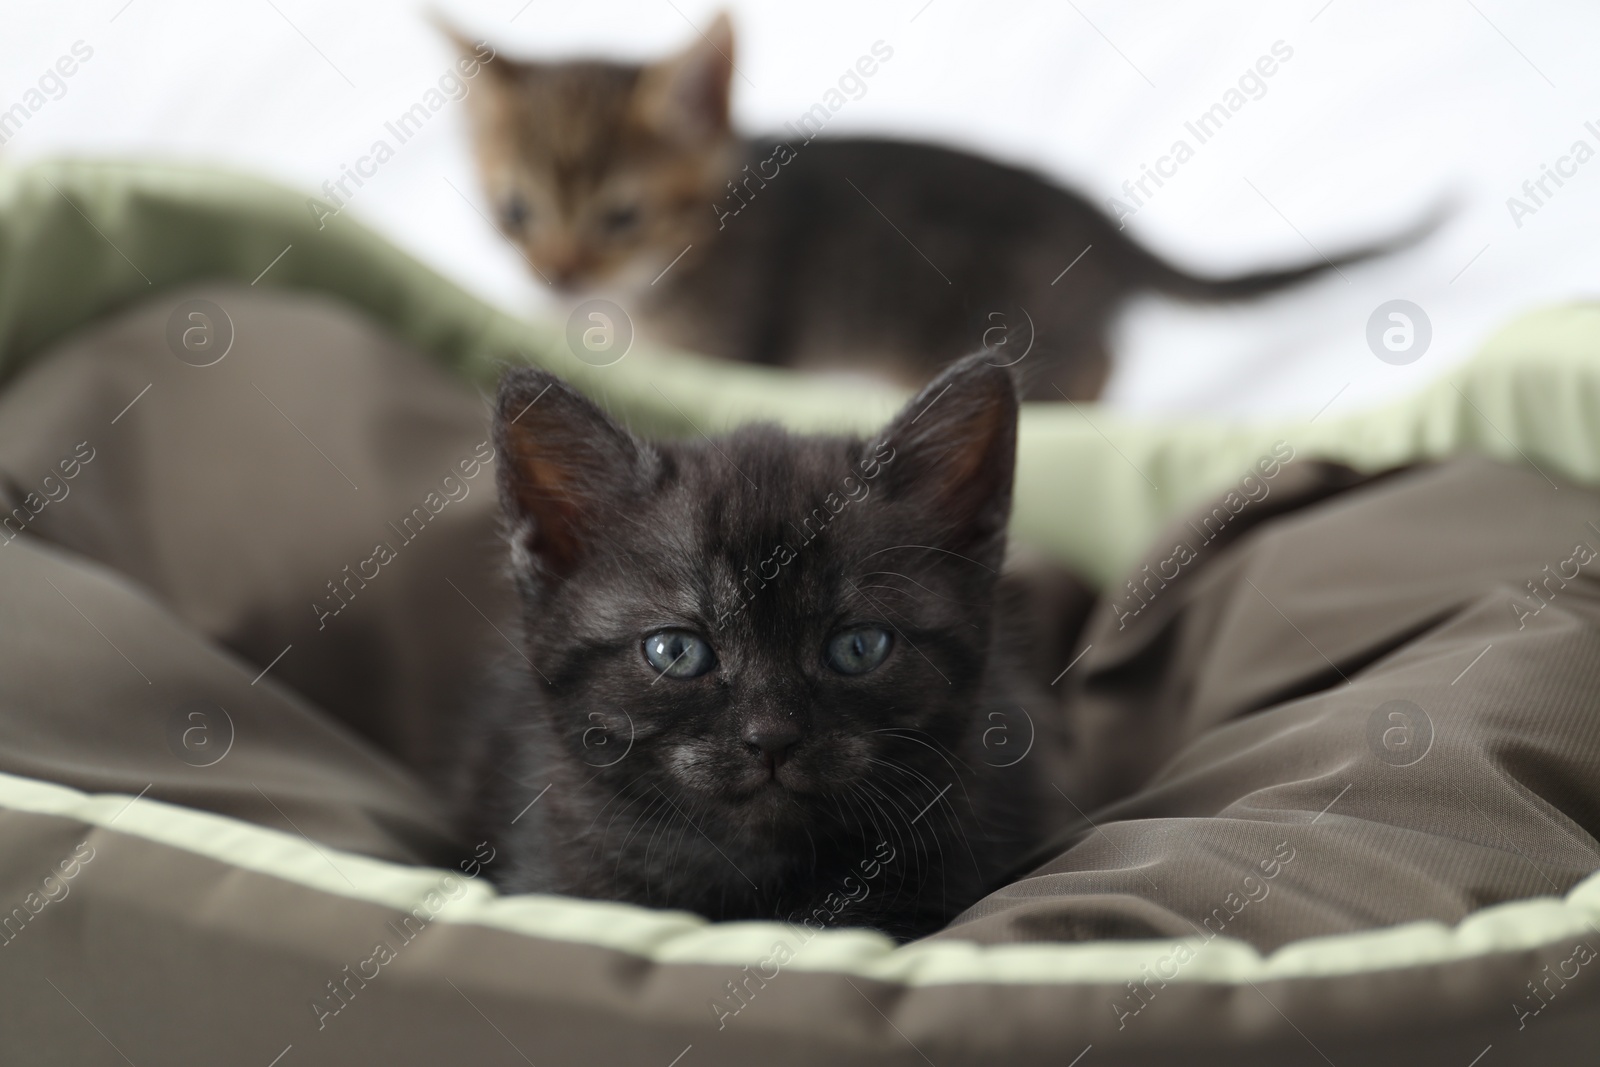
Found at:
(1160, 276)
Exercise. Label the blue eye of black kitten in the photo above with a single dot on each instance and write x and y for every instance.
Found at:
(679, 653)
(858, 651)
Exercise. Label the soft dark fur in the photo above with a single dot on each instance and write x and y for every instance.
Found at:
(895, 808)
(846, 255)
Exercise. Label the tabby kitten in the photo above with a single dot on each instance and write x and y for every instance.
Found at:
(820, 254)
(756, 675)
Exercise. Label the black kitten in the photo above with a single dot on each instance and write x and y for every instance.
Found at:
(757, 672)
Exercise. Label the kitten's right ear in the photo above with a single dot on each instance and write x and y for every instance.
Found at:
(953, 450)
(685, 97)
(565, 470)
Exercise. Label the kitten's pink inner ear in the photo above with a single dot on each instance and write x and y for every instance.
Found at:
(686, 97)
(955, 447)
(568, 473)
(548, 491)
(979, 454)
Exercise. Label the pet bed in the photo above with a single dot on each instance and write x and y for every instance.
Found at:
(1361, 685)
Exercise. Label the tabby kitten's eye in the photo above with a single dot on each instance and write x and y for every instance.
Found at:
(515, 212)
(620, 219)
(858, 651)
(679, 653)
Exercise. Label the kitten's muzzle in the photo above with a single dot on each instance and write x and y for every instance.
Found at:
(566, 265)
(566, 279)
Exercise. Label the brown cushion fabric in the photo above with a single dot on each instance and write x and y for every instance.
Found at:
(1257, 692)
(226, 498)
(237, 492)
(1362, 685)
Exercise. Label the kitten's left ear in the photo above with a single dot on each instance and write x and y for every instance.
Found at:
(472, 51)
(685, 97)
(566, 471)
(492, 79)
(462, 43)
(952, 450)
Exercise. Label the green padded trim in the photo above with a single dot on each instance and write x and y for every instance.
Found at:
(676, 937)
(80, 240)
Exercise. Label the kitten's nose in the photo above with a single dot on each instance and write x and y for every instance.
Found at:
(565, 264)
(772, 741)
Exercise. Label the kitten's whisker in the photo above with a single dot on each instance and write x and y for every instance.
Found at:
(605, 837)
(650, 842)
(866, 819)
(873, 810)
(934, 744)
(605, 840)
(622, 849)
(919, 778)
(905, 732)
(690, 829)
(883, 785)
(661, 824)
(876, 603)
(888, 591)
(895, 765)
(892, 810)
(919, 854)
(618, 795)
(949, 816)
(923, 779)
(840, 802)
(930, 548)
(677, 847)
(919, 585)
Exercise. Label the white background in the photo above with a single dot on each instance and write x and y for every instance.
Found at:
(1384, 110)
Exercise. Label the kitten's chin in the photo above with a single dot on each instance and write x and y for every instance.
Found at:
(760, 790)
(759, 802)
(769, 806)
